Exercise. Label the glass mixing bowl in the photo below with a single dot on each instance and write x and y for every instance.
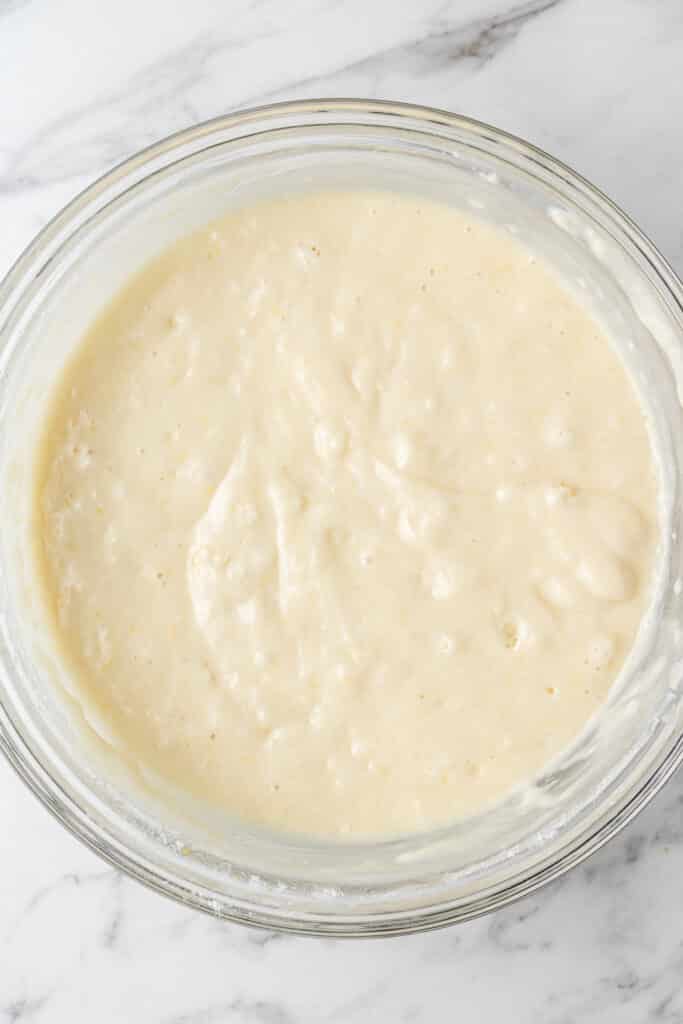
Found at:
(245, 873)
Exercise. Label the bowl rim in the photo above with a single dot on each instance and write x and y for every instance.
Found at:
(29, 768)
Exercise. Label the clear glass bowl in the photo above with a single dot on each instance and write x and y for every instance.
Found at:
(247, 874)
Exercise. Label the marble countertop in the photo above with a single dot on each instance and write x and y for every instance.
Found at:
(82, 86)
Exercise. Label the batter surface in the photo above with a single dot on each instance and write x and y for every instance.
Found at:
(346, 514)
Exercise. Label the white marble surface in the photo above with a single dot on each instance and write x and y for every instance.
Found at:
(84, 84)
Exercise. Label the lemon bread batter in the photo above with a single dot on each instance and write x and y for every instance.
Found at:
(347, 513)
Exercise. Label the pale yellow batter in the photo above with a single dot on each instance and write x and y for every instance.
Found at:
(347, 514)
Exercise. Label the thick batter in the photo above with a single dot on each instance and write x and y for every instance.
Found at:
(347, 514)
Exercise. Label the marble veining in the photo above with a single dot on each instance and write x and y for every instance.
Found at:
(83, 86)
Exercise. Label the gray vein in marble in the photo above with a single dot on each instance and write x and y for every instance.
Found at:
(251, 943)
(9, 6)
(619, 988)
(171, 77)
(665, 1011)
(350, 1008)
(244, 1010)
(47, 892)
(111, 932)
(261, 938)
(72, 878)
(22, 1010)
(475, 43)
(503, 929)
(483, 39)
(166, 85)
